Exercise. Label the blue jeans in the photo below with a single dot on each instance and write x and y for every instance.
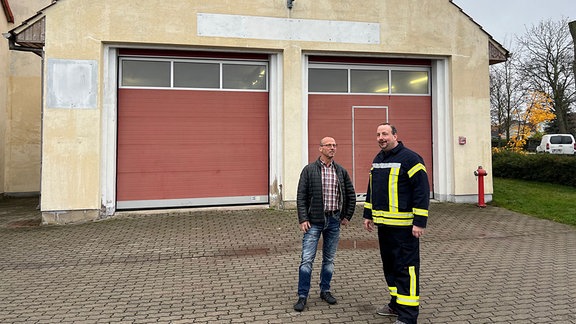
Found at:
(330, 231)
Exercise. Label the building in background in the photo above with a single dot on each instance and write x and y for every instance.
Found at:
(209, 103)
(20, 105)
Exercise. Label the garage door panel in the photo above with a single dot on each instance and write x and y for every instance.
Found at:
(412, 116)
(146, 158)
(328, 114)
(182, 185)
(365, 145)
(175, 144)
(178, 130)
(330, 118)
(176, 103)
(322, 110)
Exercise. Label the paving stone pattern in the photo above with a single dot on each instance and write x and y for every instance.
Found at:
(234, 265)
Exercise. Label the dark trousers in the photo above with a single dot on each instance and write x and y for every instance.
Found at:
(400, 252)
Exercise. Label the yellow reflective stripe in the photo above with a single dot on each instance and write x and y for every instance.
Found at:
(384, 213)
(370, 184)
(413, 299)
(393, 222)
(415, 169)
(367, 205)
(393, 291)
(408, 300)
(392, 218)
(412, 272)
(420, 212)
(393, 189)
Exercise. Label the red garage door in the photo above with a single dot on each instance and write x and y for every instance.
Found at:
(180, 148)
(183, 147)
(348, 102)
(352, 120)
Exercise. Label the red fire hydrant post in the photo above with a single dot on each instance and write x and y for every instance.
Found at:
(480, 173)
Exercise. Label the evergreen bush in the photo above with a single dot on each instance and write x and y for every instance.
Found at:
(551, 168)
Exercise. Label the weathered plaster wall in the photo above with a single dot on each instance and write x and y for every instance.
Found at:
(20, 109)
(72, 137)
(4, 26)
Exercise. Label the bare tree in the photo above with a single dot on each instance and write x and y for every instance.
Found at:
(572, 26)
(547, 60)
(506, 95)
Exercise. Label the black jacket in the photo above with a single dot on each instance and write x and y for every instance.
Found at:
(398, 192)
(310, 200)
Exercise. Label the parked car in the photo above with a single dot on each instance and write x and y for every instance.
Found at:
(557, 144)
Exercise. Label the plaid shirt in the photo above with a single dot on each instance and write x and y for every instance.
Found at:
(329, 187)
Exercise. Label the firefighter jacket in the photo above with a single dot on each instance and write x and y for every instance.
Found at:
(398, 191)
(310, 201)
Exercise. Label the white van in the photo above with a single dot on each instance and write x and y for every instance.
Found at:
(557, 144)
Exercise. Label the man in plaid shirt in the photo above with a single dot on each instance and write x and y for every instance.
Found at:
(325, 200)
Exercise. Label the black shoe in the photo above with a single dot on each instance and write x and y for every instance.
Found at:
(299, 306)
(327, 296)
(387, 311)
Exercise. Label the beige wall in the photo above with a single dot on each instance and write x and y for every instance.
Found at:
(4, 26)
(20, 110)
(72, 146)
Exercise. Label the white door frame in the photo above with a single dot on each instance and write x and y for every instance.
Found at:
(109, 118)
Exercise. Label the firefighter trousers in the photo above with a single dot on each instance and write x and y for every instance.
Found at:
(400, 253)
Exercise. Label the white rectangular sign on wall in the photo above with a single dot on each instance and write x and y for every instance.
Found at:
(237, 26)
(71, 84)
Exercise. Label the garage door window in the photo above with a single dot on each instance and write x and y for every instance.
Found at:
(244, 76)
(331, 78)
(369, 81)
(193, 74)
(328, 80)
(196, 75)
(145, 73)
(410, 82)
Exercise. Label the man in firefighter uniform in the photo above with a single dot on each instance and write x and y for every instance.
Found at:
(397, 201)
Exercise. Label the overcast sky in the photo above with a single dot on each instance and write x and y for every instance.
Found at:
(504, 19)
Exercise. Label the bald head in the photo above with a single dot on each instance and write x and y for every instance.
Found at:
(327, 149)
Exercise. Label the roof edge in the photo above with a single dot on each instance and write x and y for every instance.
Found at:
(36, 24)
(496, 51)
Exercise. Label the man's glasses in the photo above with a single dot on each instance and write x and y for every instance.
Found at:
(329, 145)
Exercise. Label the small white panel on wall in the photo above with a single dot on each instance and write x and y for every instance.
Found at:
(71, 84)
(219, 25)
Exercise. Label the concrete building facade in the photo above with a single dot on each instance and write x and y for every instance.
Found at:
(209, 103)
(20, 106)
